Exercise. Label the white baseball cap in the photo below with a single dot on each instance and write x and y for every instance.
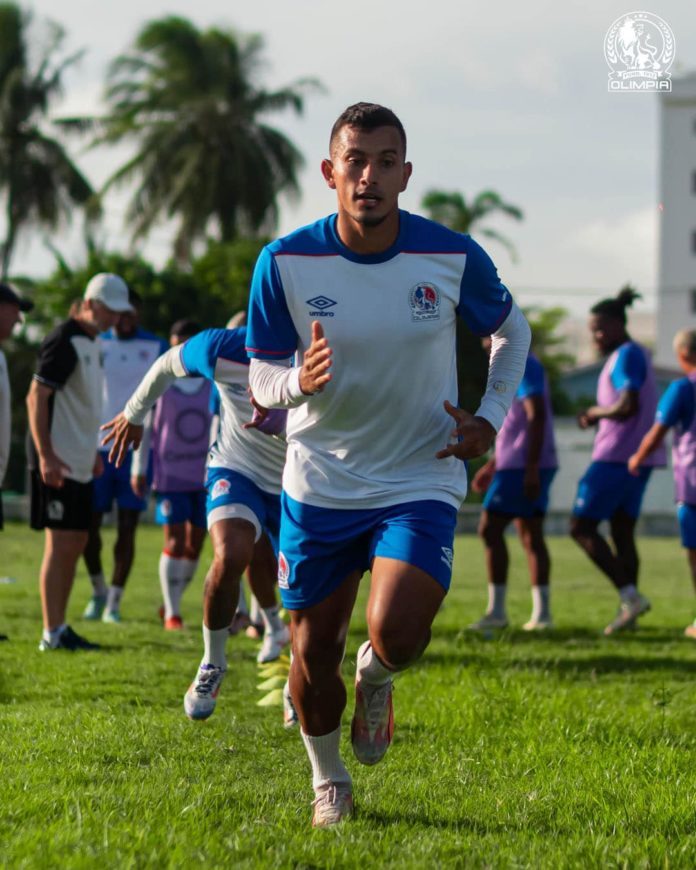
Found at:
(110, 290)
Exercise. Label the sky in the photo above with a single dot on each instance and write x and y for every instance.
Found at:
(506, 96)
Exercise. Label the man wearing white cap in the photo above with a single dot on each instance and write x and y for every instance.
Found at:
(64, 405)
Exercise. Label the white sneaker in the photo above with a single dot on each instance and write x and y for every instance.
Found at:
(273, 644)
(489, 621)
(333, 804)
(290, 717)
(629, 611)
(538, 624)
(201, 697)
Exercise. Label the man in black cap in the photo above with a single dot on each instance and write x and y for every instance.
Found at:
(11, 308)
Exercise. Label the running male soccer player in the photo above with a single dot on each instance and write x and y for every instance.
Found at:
(677, 410)
(516, 481)
(243, 483)
(367, 300)
(626, 403)
(177, 443)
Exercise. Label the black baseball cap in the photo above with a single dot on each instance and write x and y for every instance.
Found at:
(7, 294)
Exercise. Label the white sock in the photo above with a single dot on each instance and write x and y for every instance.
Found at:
(325, 758)
(113, 598)
(271, 619)
(496, 600)
(51, 635)
(188, 570)
(255, 612)
(171, 583)
(98, 584)
(214, 640)
(629, 592)
(370, 669)
(540, 602)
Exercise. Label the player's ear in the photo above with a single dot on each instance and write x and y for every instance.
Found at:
(327, 171)
(408, 169)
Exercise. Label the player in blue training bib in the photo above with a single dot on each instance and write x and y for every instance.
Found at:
(352, 328)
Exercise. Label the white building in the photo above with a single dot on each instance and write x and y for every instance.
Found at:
(676, 296)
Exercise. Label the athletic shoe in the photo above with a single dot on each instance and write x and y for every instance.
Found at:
(95, 607)
(200, 699)
(690, 631)
(290, 718)
(489, 621)
(240, 621)
(538, 624)
(111, 616)
(628, 612)
(333, 804)
(174, 623)
(372, 728)
(273, 645)
(70, 640)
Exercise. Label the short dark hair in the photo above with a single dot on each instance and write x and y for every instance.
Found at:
(185, 328)
(367, 116)
(616, 305)
(135, 299)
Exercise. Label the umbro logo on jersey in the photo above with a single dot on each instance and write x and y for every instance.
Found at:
(322, 303)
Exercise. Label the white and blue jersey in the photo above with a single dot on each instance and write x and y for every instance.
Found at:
(219, 356)
(369, 439)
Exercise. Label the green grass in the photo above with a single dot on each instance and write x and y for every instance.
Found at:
(564, 751)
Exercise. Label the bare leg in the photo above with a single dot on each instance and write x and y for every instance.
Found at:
(584, 532)
(92, 552)
(623, 535)
(62, 549)
(492, 532)
(233, 546)
(531, 532)
(124, 547)
(263, 573)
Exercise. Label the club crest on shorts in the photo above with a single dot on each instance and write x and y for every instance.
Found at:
(424, 300)
(55, 510)
(283, 572)
(220, 487)
(165, 507)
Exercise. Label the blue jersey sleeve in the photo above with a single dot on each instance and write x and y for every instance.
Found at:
(214, 401)
(200, 354)
(532, 383)
(271, 334)
(484, 301)
(677, 404)
(630, 369)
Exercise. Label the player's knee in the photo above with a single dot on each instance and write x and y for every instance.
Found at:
(578, 530)
(316, 654)
(231, 562)
(489, 533)
(398, 649)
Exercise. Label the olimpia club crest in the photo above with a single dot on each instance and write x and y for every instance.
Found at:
(639, 48)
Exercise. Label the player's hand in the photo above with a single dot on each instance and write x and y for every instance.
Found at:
(586, 419)
(269, 421)
(123, 434)
(139, 485)
(53, 470)
(483, 478)
(98, 467)
(634, 464)
(531, 485)
(475, 435)
(315, 374)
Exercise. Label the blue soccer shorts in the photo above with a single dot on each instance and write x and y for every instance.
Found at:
(608, 487)
(233, 496)
(686, 514)
(320, 547)
(505, 495)
(114, 485)
(173, 508)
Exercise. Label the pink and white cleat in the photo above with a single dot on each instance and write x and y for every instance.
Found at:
(372, 728)
(333, 804)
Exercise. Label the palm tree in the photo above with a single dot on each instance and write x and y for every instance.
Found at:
(38, 181)
(205, 156)
(452, 210)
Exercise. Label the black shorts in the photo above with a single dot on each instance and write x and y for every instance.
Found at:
(68, 508)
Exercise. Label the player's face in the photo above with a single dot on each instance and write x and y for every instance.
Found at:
(368, 171)
(9, 316)
(127, 324)
(102, 317)
(607, 332)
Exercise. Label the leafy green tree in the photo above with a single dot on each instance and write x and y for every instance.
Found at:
(206, 156)
(550, 348)
(39, 182)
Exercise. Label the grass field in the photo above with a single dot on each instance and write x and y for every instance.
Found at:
(563, 751)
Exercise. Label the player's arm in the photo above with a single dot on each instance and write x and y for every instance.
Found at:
(651, 441)
(535, 410)
(627, 377)
(484, 476)
(141, 459)
(51, 467)
(625, 407)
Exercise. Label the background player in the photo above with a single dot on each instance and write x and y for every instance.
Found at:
(64, 405)
(626, 403)
(677, 410)
(177, 443)
(516, 481)
(372, 477)
(128, 352)
(243, 486)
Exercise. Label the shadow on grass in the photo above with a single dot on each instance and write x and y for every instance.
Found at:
(412, 818)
